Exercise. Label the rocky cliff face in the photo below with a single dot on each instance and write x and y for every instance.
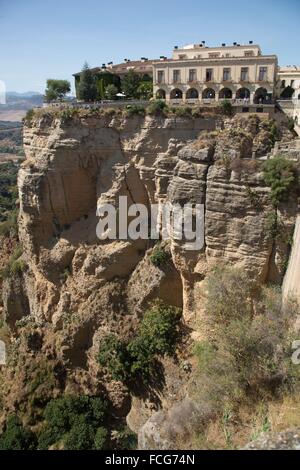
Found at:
(77, 288)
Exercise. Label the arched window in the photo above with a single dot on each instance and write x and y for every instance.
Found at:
(209, 93)
(260, 95)
(176, 94)
(192, 93)
(161, 94)
(242, 93)
(287, 93)
(225, 93)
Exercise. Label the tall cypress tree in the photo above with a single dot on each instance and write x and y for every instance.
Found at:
(87, 90)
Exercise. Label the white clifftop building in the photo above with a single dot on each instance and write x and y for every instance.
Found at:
(197, 73)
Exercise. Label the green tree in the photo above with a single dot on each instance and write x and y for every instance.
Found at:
(72, 420)
(87, 90)
(100, 438)
(156, 336)
(111, 92)
(81, 435)
(130, 84)
(145, 90)
(16, 436)
(57, 89)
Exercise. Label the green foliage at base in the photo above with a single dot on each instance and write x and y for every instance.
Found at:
(76, 422)
(16, 436)
(156, 336)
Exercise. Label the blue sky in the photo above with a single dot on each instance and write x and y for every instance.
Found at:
(42, 39)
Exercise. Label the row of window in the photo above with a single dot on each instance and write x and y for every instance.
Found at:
(209, 75)
(215, 55)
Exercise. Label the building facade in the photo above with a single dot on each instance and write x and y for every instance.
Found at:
(288, 82)
(197, 73)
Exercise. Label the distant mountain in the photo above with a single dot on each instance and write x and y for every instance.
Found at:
(26, 94)
(22, 101)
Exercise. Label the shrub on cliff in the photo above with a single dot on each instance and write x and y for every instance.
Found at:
(226, 108)
(15, 266)
(247, 357)
(157, 107)
(281, 175)
(156, 336)
(134, 110)
(73, 421)
(159, 256)
(16, 436)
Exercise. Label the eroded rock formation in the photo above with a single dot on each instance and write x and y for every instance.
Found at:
(77, 288)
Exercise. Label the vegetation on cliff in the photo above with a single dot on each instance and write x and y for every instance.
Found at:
(246, 362)
(156, 336)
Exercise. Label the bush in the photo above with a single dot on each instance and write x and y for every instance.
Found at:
(9, 228)
(29, 117)
(15, 265)
(196, 113)
(136, 109)
(81, 435)
(8, 191)
(226, 108)
(248, 356)
(16, 436)
(157, 107)
(126, 439)
(182, 111)
(113, 356)
(67, 114)
(228, 291)
(159, 256)
(156, 336)
(73, 421)
(101, 438)
(281, 175)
